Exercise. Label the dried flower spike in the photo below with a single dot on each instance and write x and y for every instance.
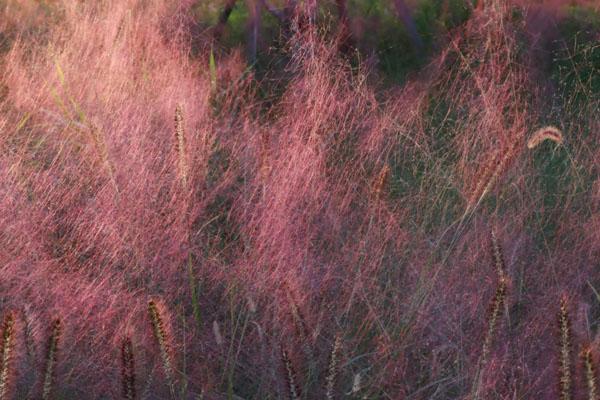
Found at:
(127, 370)
(332, 370)
(545, 133)
(493, 170)
(51, 358)
(6, 355)
(161, 336)
(590, 373)
(565, 383)
(180, 146)
(495, 310)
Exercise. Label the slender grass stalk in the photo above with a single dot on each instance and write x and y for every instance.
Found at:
(127, 370)
(303, 333)
(6, 355)
(212, 68)
(28, 333)
(101, 149)
(493, 317)
(194, 293)
(380, 181)
(290, 375)
(51, 358)
(297, 315)
(498, 257)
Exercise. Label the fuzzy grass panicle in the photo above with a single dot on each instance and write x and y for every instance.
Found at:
(493, 317)
(546, 133)
(51, 358)
(332, 369)
(589, 369)
(565, 379)
(127, 370)
(163, 340)
(181, 145)
(7, 356)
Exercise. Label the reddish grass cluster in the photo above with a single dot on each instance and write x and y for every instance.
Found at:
(195, 238)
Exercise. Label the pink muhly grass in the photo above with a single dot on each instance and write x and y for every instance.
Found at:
(286, 188)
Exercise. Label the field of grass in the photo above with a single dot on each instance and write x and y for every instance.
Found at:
(188, 211)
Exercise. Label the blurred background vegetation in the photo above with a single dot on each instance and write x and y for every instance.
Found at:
(397, 36)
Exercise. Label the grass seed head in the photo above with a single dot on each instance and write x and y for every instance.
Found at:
(7, 356)
(163, 340)
(51, 358)
(181, 144)
(127, 370)
(545, 133)
(590, 373)
(332, 370)
(565, 380)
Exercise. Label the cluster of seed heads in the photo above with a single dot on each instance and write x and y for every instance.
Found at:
(7, 354)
